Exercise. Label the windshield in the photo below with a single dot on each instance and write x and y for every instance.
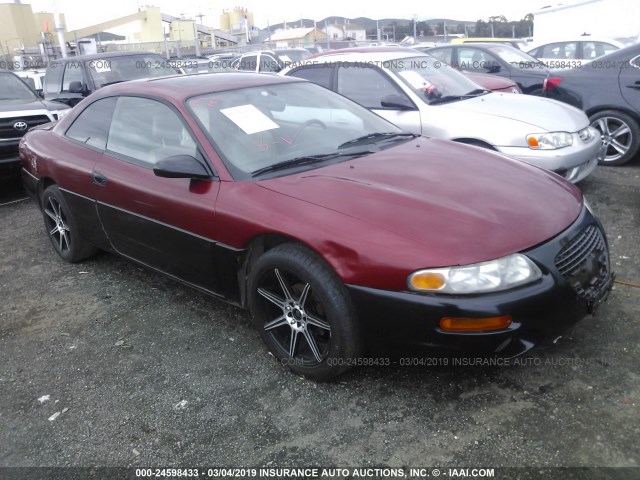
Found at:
(256, 128)
(12, 88)
(513, 55)
(432, 80)
(121, 69)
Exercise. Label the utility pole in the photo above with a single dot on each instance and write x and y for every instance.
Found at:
(166, 46)
(196, 39)
(60, 31)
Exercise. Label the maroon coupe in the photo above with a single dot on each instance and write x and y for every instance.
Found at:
(330, 224)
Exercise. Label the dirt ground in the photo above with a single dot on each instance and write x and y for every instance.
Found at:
(106, 364)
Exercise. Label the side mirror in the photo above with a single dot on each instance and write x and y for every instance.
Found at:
(181, 166)
(494, 68)
(76, 87)
(397, 101)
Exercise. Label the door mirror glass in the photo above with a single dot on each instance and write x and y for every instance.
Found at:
(76, 87)
(397, 101)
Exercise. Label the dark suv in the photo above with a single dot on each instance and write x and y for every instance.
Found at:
(71, 79)
(20, 109)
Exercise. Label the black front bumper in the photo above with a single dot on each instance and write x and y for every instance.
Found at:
(539, 310)
(9, 159)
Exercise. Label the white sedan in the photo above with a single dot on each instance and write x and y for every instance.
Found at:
(425, 96)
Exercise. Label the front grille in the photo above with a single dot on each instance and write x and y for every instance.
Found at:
(584, 263)
(6, 125)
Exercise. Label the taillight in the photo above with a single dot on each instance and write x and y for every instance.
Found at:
(551, 83)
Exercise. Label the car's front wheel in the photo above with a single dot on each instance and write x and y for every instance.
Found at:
(62, 228)
(303, 312)
(620, 136)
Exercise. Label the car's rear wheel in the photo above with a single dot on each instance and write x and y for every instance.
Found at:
(303, 312)
(620, 136)
(62, 229)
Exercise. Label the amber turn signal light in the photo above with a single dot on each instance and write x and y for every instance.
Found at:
(427, 281)
(456, 324)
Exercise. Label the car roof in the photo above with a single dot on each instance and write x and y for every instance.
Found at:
(611, 41)
(482, 39)
(363, 55)
(101, 56)
(181, 87)
(481, 45)
(583, 38)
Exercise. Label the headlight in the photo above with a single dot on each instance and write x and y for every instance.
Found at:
(502, 274)
(549, 141)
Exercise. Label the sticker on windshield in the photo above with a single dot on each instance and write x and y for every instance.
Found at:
(101, 66)
(249, 119)
(414, 79)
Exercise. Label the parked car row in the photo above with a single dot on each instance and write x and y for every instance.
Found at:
(328, 201)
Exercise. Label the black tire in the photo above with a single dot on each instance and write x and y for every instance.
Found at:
(476, 143)
(293, 293)
(62, 229)
(620, 134)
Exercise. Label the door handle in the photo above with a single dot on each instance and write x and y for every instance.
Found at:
(99, 179)
(635, 85)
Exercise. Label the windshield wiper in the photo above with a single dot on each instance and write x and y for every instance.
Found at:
(452, 98)
(307, 160)
(374, 137)
(476, 92)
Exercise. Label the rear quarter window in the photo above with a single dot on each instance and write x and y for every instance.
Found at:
(92, 125)
(320, 75)
(53, 78)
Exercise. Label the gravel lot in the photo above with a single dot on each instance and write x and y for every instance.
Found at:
(147, 372)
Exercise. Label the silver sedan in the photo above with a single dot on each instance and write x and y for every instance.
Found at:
(424, 96)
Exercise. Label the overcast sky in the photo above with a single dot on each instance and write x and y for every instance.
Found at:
(84, 13)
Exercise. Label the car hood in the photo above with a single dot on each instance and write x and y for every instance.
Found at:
(455, 203)
(23, 105)
(542, 113)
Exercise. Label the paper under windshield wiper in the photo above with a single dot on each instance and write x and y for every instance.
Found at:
(373, 137)
(308, 159)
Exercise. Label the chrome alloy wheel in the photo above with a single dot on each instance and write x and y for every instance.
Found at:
(616, 137)
(296, 318)
(57, 225)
